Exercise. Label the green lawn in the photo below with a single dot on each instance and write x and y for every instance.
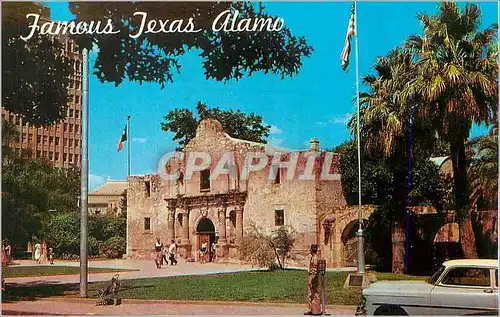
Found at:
(279, 286)
(22, 271)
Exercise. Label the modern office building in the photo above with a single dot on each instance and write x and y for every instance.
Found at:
(61, 142)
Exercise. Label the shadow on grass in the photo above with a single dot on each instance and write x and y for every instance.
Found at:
(39, 289)
(42, 289)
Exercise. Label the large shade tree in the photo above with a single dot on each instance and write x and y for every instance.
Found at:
(183, 123)
(456, 77)
(155, 57)
(34, 72)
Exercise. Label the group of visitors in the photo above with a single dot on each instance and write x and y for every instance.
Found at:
(162, 251)
(205, 253)
(41, 255)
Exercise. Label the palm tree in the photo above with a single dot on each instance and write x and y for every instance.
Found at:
(456, 78)
(389, 125)
(483, 172)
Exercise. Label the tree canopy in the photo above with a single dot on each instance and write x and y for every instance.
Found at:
(155, 57)
(35, 72)
(183, 122)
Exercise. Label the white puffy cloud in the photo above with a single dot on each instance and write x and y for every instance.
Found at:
(337, 120)
(139, 140)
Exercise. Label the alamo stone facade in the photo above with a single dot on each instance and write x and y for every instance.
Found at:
(199, 207)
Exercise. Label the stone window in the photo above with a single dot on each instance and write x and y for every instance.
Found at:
(179, 219)
(147, 223)
(57, 140)
(51, 140)
(51, 154)
(279, 217)
(38, 139)
(65, 127)
(45, 139)
(70, 127)
(56, 157)
(147, 187)
(65, 157)
(205, 180)
(277, 179)
(232, 218)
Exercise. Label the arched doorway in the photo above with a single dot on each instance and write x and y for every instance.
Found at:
(206, 233)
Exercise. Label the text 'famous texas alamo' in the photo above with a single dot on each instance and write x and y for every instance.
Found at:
(226, 21)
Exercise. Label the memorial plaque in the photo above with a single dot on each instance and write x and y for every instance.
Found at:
(356, 280)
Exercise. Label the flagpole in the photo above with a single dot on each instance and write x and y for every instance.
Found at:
(84, 184)
(361, 253)
(128, 141)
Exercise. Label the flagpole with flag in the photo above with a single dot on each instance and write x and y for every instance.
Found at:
(352, 30)
(125, 137)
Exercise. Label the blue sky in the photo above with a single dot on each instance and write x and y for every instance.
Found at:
(315, 103)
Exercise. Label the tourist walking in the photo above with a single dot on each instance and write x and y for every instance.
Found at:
(8, 252)
(313, 298)
(43, 257)
(4, 263)
(38, 252)
(164, 252)
(172, 252)
(158, 250)
(51, 256)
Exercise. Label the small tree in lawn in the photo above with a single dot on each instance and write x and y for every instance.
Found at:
(267, 250)
(282, 241)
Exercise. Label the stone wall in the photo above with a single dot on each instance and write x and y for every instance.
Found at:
(232, 204)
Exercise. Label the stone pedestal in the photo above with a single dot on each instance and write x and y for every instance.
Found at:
(185, 250)
(222, 250)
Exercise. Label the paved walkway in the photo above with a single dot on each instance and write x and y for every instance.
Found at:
(135, 307)
(142, 269)
(147, 269)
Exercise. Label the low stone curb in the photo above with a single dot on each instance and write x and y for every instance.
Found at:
(191, 302)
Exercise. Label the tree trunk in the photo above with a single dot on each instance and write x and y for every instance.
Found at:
(398, 247)
(460, 189)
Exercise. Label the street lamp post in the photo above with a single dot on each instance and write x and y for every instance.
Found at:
(84, 176)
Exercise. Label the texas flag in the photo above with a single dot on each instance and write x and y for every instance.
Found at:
(123, 138)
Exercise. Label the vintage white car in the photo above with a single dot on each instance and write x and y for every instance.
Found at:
(459, 287)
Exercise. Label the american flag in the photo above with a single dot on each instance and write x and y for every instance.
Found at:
(351, 30)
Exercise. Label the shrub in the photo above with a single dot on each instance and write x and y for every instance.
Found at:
(267, 250)
(113, 248)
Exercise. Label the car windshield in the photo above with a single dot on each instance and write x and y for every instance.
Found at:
(433, 279)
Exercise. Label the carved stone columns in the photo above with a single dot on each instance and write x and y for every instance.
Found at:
(185, 227)
(171, 220)
(239, 222)
(222, 226)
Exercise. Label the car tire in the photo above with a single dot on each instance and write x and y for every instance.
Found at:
(390, 310)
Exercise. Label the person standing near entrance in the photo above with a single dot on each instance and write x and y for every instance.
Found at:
(203, 252)
(313, 298)
(172, 252)
(213, 252)
(158, 250)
